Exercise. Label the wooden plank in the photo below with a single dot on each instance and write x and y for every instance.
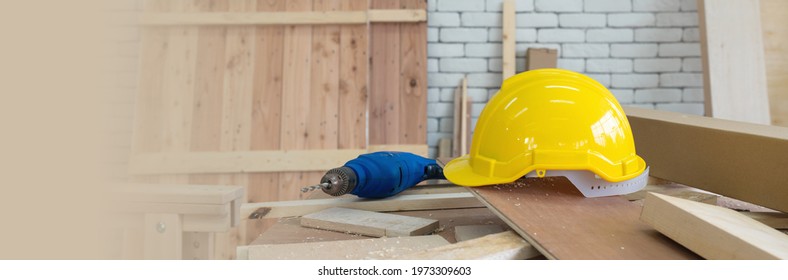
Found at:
(775, 44)
(674, 190)
(777, 220)
(178, 89)
(508, 33)
(255, 161)
(415, 149)
(209, 89)
(209, 223)
(174, 193)
(177, 208)
(500, 246)
(241, 161)
(463, 233)
(267, 101)
(368, 223)
(296, 86)
(735, 159)
(376, 248)
(278, 209)
(444, 147)
(163, 237)
(384, 97)
(284, 18)
(539, 58)
(733, 61)
(464, 114)
(413, 78)
(417, 14)
(553, 216)
(713, 232)
(289, 230)
(353, 83)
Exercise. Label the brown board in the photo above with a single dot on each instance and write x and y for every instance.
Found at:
(553, 216)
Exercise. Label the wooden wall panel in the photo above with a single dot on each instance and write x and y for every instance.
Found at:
(413, 78)
(209, 88)
(384, 103)
(354, 80)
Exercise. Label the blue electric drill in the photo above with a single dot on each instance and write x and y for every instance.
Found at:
(378, 175)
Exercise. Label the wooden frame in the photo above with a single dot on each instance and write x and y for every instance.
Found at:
(735, 159)
(284, 18)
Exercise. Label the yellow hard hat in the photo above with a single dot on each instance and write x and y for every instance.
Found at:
(546, 122)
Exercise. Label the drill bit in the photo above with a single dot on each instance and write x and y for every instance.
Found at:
(312, 188)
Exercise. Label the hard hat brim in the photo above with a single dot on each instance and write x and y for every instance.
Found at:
(460, 172)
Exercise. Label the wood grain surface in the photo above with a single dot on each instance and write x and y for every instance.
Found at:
(553, 216)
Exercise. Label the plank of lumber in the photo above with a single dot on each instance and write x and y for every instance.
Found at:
(500, 246)
(735, 159)
(368, 223)
(413, 78)
(463, 233)
(174, 193)
(384, 96)
(251, 161)
(509, 31)
(178, 208)
(353, 83)
(375, 248)
(464, 116)
(278, 209)
(674, 190)
(289, 230)
(553, 216)
(266, 102)
(777, 220)
(733, 60)
(775, 43)
(284, 18)
(713, 232)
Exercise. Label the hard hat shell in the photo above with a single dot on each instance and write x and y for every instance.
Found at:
(548, 119)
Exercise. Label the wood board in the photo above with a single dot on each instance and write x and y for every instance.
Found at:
(374, 248)
(368, 223)
(554, 217)
(500, 246)
(775, 44)
(278, 209)
(713, 232)
(735, 159)
(733, 61)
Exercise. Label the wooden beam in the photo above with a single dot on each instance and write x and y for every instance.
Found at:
(278, 209)
(253, 161)
(409, 15)
(163, 237)
(375, 248)
(283, 18)
(733, 60)
(553, 216)
(368, 223)
(735, 159)
(500, 246)
(175, 193)
(777, 220)
(713, 232)
(508, 37)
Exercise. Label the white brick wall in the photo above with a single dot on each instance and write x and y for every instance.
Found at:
(646, 51)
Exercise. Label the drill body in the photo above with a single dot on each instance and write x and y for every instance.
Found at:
(380, 174)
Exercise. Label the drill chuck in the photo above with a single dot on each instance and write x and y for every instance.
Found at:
(339, 181)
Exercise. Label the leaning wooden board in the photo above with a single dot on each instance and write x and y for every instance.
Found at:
(555, 218)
